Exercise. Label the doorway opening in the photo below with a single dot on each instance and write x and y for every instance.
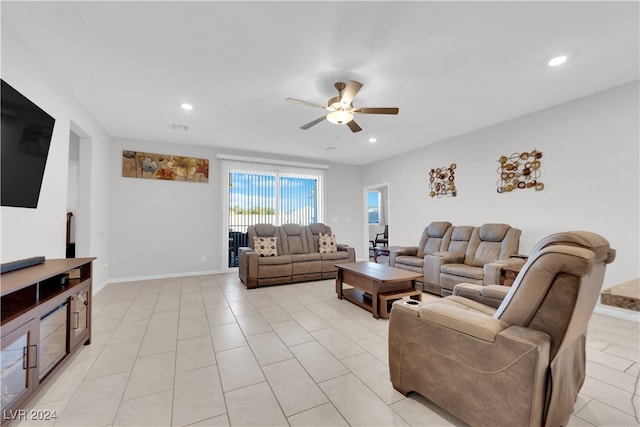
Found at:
(72, 194)
(376, 216)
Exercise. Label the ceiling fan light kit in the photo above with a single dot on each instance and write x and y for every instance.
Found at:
(341, 109)
(340, 117)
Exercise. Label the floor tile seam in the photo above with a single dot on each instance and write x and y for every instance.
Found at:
(175, 364)
(143, 395)
(215, 357)
(619, 359)
(612, 408)
(634, 376)
(631, 396)
(373, 392)
(267, 378)
(611, 335)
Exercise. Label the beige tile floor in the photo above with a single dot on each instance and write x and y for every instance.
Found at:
(204, 351)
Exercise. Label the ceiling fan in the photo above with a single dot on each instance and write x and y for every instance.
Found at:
(340, 108)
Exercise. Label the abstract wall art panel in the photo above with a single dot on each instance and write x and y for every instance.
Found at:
(166, 167)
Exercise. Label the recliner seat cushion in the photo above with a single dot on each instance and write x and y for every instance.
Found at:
(410, 260)
(462, 270)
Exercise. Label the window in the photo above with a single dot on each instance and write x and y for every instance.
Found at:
(263, 192)
(373, 203)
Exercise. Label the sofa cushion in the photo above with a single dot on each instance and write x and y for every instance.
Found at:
(327, 243)
(305, 257)
(265, 246)
(337, 256)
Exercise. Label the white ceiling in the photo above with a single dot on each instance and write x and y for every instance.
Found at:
(451, 67)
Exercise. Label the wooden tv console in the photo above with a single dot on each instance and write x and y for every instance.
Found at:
(45, 318)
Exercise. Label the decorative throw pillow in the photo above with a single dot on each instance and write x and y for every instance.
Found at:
(327, 243)
(265, 246)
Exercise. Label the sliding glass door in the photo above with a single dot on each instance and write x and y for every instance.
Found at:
(269, 194)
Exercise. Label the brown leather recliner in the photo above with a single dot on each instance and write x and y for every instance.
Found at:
(522, 364)
(435, 238)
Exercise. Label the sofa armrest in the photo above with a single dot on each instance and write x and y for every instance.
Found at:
(402, 251)
(248, 266)
(492, 271)
(350, 250)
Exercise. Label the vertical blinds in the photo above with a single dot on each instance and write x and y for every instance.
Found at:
(261, 191)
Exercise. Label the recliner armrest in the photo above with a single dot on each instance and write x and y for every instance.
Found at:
(407, 250)
(492, 271)
(449, 257)
(469, 322)
(403, 251)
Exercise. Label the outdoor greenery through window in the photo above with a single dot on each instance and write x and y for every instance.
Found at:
(270, 193)
(374, 207)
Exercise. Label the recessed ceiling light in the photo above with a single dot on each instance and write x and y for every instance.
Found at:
(372, 140)
(186, 106)
(558, 60)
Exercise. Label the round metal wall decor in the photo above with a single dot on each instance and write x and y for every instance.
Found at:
(442, 181)
(519, 171)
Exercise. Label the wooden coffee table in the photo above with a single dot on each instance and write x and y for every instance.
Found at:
(369, 279)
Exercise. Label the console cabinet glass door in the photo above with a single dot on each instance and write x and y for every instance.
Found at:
(53, 339)
(19, 356)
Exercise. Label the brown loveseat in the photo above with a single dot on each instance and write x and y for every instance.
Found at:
(447, 255)
(297, 257)
(520, 365)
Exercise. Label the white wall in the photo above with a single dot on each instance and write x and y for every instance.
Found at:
(589, 169)
(42, 231)
(163, 228)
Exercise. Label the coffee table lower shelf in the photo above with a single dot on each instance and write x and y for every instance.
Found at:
(363, 299)
(358, 297)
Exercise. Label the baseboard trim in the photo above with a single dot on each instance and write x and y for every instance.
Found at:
(164, 276)
(620, 313)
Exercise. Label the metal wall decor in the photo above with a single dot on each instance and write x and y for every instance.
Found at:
(519, 171)
(442, 181)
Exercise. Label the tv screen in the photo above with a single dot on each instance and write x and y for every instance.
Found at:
(26, 136)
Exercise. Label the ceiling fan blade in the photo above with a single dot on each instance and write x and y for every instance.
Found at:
(383, 110)
(353, 126)
(313, 123)
(307, 103)
(350, 91)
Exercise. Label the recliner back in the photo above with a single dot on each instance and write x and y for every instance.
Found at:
(313, 235)
(294, 239)
(264, 230)
(556, 292)
(435, 238)
(563, 270)
(491, 242)
(460, 237)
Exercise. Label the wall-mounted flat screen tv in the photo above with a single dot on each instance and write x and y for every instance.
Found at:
(26, 136)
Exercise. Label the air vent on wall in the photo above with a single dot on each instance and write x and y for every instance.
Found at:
(176, 126)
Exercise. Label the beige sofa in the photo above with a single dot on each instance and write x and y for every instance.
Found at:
(520, 365)
(298, 257)
(447, 255)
